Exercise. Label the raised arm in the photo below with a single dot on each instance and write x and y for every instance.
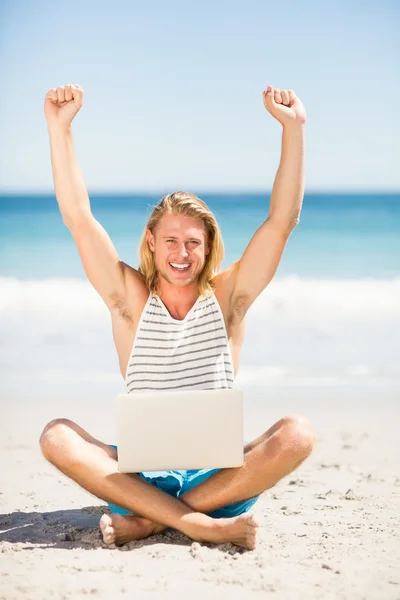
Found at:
(253, 272)
(99, 257)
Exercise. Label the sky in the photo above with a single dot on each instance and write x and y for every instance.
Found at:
(173, 92)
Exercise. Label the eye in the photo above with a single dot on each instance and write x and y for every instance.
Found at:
(194, 242)
(170, 241)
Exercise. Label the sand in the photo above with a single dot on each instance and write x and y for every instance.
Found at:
(330, 530)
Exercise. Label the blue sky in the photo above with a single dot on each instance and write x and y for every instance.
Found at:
(173, 91)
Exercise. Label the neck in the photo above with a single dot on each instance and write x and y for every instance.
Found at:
(178, 299)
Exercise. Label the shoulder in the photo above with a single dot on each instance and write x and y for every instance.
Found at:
(224, 280)
(133, 277)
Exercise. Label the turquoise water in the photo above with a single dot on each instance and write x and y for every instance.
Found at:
(339, 237)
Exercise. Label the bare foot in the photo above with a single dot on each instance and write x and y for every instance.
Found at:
(240, 531)
(120, 529)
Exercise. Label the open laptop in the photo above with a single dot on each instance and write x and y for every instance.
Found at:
(179, 430)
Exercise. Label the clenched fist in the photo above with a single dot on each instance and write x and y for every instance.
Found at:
(285, 106)
(62, 103)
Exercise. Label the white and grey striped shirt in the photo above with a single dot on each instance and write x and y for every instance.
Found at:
(169, 354)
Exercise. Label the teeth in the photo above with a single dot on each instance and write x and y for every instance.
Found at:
(178, 266)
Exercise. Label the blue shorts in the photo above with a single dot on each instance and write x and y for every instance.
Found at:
(176, 483)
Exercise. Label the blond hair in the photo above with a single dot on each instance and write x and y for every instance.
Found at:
(183, 203)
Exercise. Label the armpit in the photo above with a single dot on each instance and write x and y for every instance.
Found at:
(239, 306)
(122, 311)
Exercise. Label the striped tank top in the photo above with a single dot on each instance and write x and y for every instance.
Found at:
(188, 354)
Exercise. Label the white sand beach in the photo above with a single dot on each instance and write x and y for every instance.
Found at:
(328, 531)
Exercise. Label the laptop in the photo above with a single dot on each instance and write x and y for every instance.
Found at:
(179, 430)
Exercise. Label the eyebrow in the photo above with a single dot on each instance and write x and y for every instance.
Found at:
(173, 237)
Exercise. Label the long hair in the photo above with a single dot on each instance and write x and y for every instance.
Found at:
(183, 203)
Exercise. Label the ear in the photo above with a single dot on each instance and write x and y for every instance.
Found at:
(150, 240)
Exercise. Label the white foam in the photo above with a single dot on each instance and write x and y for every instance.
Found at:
(57, 295)
(290, 295)
(297, 330)
(355, 297)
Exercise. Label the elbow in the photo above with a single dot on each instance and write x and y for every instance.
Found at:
(75, 221)
(292, 224)
(286, 224)
(67, 220)
(296, 221)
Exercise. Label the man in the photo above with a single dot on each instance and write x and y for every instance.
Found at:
(179, 290)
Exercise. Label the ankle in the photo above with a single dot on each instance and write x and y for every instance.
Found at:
(154, 527)
(148, 527)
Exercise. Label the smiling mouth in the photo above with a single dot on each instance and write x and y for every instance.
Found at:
(179, 267)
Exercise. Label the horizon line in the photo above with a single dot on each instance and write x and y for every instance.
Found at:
(141, 192)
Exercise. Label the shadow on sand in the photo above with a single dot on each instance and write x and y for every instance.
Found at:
(68, 529)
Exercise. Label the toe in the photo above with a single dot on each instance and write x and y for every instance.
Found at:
(105, 521)
(251, 540)
(109, 535)
(107, 529)
(252, 521)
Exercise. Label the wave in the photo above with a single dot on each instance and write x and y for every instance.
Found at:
(291, 295)
(73, 295)
(298, 330)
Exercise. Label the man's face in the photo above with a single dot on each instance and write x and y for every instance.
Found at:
(180, 247)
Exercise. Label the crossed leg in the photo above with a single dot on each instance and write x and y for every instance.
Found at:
(269, 458)
(93, 465)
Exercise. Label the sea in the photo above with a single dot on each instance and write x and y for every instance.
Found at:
(331, 315)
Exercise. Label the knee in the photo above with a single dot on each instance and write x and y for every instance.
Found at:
(53, 436)
(298, 435)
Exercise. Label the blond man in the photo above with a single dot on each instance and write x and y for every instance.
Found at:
(178, 323)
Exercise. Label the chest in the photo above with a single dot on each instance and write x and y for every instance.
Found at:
(202, 325)
(192, 353)
(152, 323)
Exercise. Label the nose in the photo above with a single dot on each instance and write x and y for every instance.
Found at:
(183, 251)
